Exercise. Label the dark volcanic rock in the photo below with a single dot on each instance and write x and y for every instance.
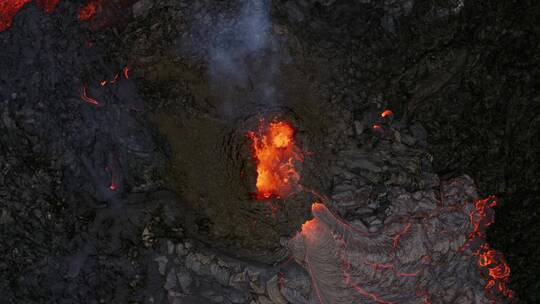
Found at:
(134, 186)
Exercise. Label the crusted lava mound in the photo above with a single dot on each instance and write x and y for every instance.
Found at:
(432, 249)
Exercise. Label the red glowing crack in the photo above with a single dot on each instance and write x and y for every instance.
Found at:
(85, 97)
(351, 266)
(417, 249)
(398, 235)
(491, 263)
(126, 72)
(116, 78)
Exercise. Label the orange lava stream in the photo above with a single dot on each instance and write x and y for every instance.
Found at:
(276, 156)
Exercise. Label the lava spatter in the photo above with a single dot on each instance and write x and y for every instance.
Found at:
(276, 156)
(387, 113)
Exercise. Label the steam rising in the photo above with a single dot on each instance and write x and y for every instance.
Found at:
(242, 54)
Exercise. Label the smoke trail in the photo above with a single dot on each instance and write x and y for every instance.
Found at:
(241, 53)
(248, 38)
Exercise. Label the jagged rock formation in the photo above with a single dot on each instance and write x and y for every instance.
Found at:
(89, 168)
(422, 254)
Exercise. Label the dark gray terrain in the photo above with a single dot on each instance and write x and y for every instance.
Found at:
(126, 175)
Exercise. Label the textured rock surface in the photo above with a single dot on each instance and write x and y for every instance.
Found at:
(417, 256)
(111, 196)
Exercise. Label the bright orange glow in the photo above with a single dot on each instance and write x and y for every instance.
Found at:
(276, 156)
(491, 263)
(486, 258)
(387, 113)
(500, 271)
(494, 269)
(316, 206)
(281, 134)
(309, 228)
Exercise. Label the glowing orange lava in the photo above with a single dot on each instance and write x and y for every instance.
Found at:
(276, 156)
(386, 113)
(491, 263)
(309, 229)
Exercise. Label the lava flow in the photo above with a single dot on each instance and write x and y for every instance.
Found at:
(491, 263)
(335, 257)
(276, 155)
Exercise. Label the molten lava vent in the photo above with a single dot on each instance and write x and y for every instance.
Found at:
(277, 157)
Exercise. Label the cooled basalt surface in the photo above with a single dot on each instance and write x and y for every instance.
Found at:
(126, 175)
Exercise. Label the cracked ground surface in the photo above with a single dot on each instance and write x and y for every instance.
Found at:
(460, 77)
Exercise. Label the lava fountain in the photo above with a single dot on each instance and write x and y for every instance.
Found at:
(276, 156)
